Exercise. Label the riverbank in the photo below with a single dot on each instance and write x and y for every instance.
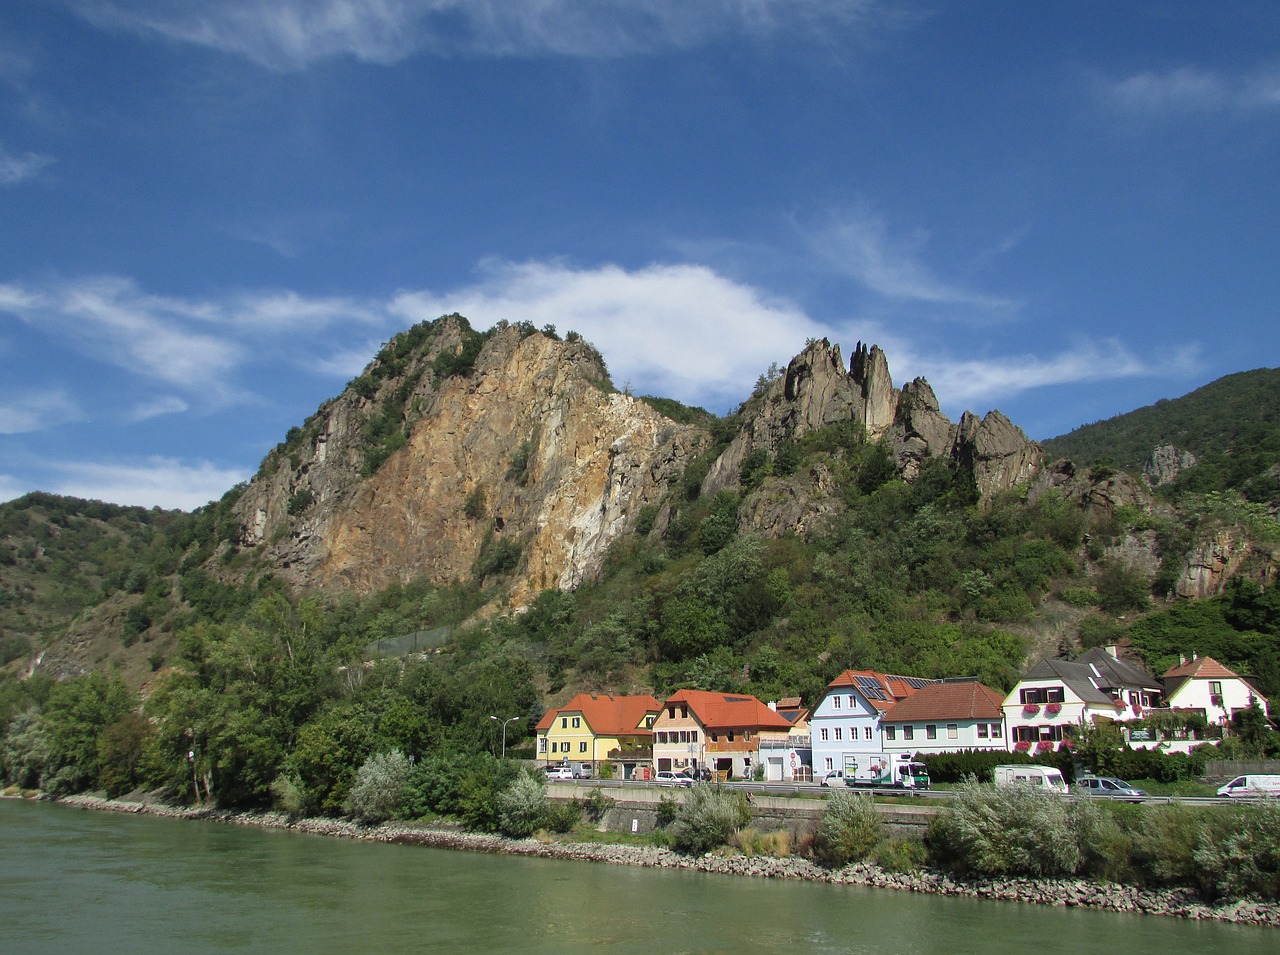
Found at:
(1171, 903)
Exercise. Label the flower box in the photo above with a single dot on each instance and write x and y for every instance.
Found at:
(1053, 709)
(1021, 746)
(1045, 746)
(1031, 709)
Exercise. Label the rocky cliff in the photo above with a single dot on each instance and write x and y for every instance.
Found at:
(457, 454)
(526, 460)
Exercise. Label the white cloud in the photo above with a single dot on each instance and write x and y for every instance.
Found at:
(977, 382)
(292, 34)
(16, 169)
(157, 481)
(681, 331)
(1188, 90)
(858, 245)
(12, 487)
(157, 407)
(38, 412)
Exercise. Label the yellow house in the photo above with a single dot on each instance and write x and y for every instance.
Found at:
(592, 729)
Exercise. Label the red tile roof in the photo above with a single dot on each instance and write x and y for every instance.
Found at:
(729, 710)
(895, 688)
(968, 700)
(607, 715)
(1201, 668)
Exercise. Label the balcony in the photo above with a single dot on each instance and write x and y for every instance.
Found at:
(790, 742)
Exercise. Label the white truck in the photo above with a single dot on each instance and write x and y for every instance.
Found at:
(1041, 778)
(1251, 786)
(883, 771)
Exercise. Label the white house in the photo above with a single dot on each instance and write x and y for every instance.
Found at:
(946, 717)
(1056, 696)
(1204, 684)
(847, 719)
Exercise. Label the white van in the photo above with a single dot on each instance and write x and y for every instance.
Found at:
(1042, 778)
(1251, 787)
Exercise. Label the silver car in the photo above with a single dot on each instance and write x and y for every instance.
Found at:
(1107, 787)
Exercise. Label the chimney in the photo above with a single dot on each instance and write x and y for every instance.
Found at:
(1114, 651)
(773, 705)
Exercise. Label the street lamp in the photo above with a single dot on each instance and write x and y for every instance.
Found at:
(504, 732)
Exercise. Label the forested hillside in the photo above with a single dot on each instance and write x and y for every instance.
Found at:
(1231, 425)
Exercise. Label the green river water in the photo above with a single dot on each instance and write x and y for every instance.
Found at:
(77, 881)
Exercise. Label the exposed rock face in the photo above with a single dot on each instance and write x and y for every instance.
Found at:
(526, 449)
(1213, 563)
(817, 391)
(1165, 464)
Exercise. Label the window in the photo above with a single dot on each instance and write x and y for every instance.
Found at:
(996, 731)
(1215, 687)
(577, 722)
(582, 747)
(853, 702)
(953, 731)
(908, 732)
(823, 731)
(829, 765)
(982, 731)
(730, 736)
(693, 736)
(648, 722)
(564, 722)
(839, 734)
(891, 732)
(542, 744)
(931, 731)
(866, 733)
(835, 702)
(1055, 694)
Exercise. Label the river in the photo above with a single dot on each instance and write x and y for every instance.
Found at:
(75, 881)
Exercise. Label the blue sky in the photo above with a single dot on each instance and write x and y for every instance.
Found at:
(212, 214)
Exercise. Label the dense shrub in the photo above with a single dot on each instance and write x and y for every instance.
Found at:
(379, 789)
(1007, 831)
(849, 831)
(1244, 858)
(522, 806)
(708, 819)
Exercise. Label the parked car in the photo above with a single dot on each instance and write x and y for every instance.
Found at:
(835, 779)
(1108, 787)
(559, 772)
(1251, 786)
(665, 778)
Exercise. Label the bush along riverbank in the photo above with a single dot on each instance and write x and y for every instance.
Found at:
(849, 830)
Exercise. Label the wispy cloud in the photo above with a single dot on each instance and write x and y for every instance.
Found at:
(38, 411)
(860, 245)
(157, 481)
(292, 34)
(677, 330)
(975, 382)
(1192, 90)
(195, 346)
(15, 169)
(158, 407)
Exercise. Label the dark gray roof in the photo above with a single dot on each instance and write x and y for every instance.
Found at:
(1080, 677)
(1117, 672)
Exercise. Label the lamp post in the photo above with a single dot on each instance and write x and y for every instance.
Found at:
(504, 732)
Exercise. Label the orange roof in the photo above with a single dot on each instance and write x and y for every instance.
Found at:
(1201, 668)
(968, 700)
(894, 688)
(729, 710)
(607, 715)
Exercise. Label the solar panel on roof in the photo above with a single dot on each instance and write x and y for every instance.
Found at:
(737, 699)
(916, 682)
(870, 688)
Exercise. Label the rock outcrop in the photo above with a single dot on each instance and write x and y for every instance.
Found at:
(1165, 464)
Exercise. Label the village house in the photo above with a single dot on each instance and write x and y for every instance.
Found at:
(789, 758)
(847, 720)
(946, 717)
(721, 732)
(1056, 697)
(592, 729)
